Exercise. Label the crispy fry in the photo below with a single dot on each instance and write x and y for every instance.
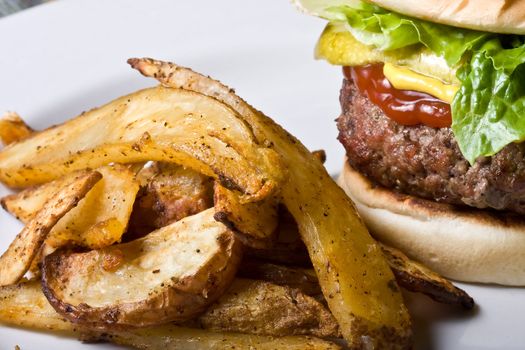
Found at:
(169, 193)
(356, 280)
(13, 129)
(301, 279)
(254, 222)
(24, 305)
(179, 338)
(15, 262)
(170, 125)
(26, 203)
(259, 307)
(182, 268)
(418, 278)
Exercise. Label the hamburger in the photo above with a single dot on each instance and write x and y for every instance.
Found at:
(433, 124)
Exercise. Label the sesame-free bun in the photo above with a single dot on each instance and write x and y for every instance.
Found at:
(498, 16)
(470, 245)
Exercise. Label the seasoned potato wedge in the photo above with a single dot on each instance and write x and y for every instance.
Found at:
(417, 278)
(98, 220)
(13, 129)
(169, 193)
(355, 278)
(24, 305)
(179, 338)
(300, 279)
(102, 216)
(259, 307)
(26, 203)
(182, 268)
(160, 124)
(254, 222)
(15, 262)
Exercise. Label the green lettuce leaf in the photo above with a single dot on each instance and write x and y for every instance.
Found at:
(488, 111)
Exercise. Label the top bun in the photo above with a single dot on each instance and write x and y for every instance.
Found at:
(498, 16)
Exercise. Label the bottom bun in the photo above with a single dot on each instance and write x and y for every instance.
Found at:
(470, 245)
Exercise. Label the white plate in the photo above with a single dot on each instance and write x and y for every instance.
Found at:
(59, 59)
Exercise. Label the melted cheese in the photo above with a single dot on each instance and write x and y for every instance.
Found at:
(406, 79)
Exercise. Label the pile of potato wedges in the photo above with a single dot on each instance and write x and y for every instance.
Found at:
(180, 217)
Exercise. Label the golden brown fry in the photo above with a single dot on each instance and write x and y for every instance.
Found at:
(24, 305)
(13, 129)
(418, 278)
(259, 307)
(101, 218)
(301, 279)
(25, 204)
(172, 274)
(178, 338)
(169, 193)
(254, 222)
(356, 280)
(159, 124)
(15, 262)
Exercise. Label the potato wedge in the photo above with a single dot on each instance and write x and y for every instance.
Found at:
(102, 216)
(355, 278)
(418, 278)
(258, 307)
(300, 279)
(254, 222)
(98, 220)
(26, 203)
(180, 338)
(13, 129)
(24, 305)
(15, 262)
(160, 124)
(170, 192)
(182, 268)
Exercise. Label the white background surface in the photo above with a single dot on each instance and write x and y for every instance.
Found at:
(59, 59)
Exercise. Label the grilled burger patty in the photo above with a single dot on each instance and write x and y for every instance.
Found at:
(426, 162)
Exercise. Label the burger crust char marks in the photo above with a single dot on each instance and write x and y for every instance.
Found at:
(435, 180)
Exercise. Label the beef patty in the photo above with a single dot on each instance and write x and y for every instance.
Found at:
(426, 162)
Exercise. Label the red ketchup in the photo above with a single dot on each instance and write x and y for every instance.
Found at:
(404, 106)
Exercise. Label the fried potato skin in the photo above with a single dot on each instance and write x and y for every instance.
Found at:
(15, 262)
(356, 280)
(170, 193)
(183, 268)
(24, 305)
(300, 279)
(258, 307)
(180, 338)
(417, 278)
